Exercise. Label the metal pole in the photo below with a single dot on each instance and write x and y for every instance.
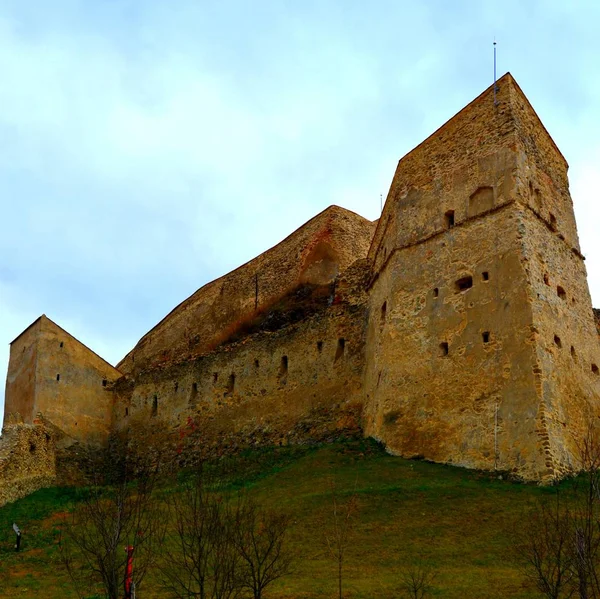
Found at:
(495, 88)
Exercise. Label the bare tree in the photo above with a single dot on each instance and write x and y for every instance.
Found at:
(416, 581)
(337, 527)
(260, 538)
(199, 558)
(543, 546)
(558, 542)
(119, 511)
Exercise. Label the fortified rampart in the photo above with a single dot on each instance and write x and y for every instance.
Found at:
(458, 327)
(315, 254)
(27, 461)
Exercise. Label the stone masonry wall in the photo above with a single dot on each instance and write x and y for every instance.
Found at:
(27, 461)
(20, 380)
(314, 254)
(300, 382)
(446, 363)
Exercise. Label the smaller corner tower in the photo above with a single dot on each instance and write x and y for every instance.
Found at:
(53, 376)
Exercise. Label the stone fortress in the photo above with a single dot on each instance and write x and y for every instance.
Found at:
(458, 327)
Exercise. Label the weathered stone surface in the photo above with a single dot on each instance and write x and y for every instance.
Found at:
(314, 254)
(27, 461)
(486, 355)
(458, 328)
(53, 374)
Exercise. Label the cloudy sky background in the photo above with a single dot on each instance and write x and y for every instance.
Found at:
(149, 147)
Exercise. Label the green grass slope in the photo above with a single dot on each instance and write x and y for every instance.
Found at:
(457, 520)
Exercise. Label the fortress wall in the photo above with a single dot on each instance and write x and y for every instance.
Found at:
(452, 170)
(300, 382)
(422, 401)
(80, 402)
(314, 254)
(542, 176)
(567, 342)
(20, 380)
(27, 461)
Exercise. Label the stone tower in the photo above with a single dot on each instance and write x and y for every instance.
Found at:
(55, 377)
(481, 347)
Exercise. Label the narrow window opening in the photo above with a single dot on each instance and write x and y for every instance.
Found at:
(464, 283)
(449, 217)
(341, 346)
(546, 278)
(58, 377)
(552, 222)
(155, 405)
(126, 411)
(573, 353)
(383, 311)
(193, 395)
(283, 367)
(32, 448)
(231, 383)
(176, 386)
(485, 275)
(486, 336)
(557, 341)
(443, 349)
(62, 344)
(256, 363)
(436, 292)
(215, 377)
(561, 293)
(104, 382)
(595, 369)
(319, 346)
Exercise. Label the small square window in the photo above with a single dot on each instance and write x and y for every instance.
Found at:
(485, 275)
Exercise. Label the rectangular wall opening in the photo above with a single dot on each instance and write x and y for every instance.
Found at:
(443, 349)
(154, 406)
(341, 346)
(449, 219)
(464, 283)
(231, 383)
(486, 336)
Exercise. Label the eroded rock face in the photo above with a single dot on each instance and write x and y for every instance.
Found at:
(458, 328)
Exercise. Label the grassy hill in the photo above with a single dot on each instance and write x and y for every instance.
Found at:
(457, 520)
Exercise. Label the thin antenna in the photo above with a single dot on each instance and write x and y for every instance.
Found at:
(380, 203)
(495, 86)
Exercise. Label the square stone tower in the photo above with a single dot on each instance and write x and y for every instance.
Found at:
(55, 377)
(482, 349)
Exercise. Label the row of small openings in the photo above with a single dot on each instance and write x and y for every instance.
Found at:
(283, 367)
(444, 348)
(558, 343)
(104, 381)
(463, 283)
(535, 193)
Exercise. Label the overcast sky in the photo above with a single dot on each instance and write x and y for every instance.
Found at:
(149, 147)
